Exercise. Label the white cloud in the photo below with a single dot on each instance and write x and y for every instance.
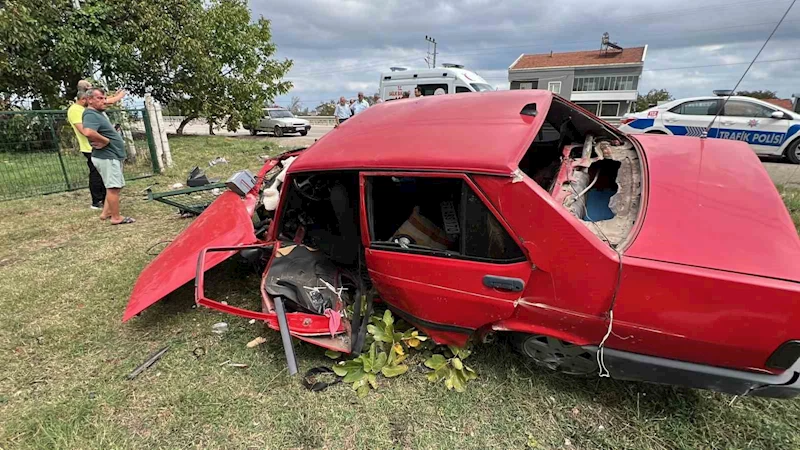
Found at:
(342, 46)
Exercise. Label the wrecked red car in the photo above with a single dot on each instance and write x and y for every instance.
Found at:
(663, 259)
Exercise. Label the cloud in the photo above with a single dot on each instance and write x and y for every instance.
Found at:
(341, 46)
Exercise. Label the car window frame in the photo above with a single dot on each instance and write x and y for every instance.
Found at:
(367, 225)
(717, 100)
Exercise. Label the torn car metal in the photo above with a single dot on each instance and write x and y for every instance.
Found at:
(665, 259)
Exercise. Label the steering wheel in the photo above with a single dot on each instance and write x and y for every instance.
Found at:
(311, 188)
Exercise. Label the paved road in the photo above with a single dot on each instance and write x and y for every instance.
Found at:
(781, 172)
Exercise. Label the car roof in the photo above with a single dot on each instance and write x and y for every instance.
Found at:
(717, 97)
(476, 132)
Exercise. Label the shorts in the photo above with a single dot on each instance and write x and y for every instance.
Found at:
(110, 171)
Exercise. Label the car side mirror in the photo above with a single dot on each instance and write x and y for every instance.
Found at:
(778, 115)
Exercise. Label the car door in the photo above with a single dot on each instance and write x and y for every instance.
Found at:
(690, 118)
(751, 122)
(438, 253)
(264, 122)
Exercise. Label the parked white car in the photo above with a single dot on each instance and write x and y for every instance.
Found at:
(770, 130)
(280, 121)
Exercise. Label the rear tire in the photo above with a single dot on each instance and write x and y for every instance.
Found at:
(278, 131)
(555, 354)
(253, 132)
(303, 133)
(793, 152)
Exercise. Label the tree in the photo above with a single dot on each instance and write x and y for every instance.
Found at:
(205, 58)
(652, 98)
(295, 106)
(763, 95)
(326, 109)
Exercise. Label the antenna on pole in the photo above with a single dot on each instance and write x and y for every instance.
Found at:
(432, 41)
(725, 102)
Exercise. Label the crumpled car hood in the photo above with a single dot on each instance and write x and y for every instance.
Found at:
(224, 223)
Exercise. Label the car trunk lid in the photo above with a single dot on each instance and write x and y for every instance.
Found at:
(711, 204)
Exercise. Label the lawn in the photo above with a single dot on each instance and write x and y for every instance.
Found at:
(65, 356)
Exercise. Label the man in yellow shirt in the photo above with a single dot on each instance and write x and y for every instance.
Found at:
(75, 118)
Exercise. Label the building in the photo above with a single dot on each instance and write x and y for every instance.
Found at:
(603, 81)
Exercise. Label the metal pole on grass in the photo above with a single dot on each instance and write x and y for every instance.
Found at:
(286, 338)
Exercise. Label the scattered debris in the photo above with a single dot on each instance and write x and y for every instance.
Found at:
(176, 186)
(252, 321)
(228, 363)
(149, 362)
(567, 442)
(219, 328)
(199, 178)
(217, 160)
(198, 352)
(216, 192)
(256, 342)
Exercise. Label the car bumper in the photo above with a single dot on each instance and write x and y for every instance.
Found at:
(636, 367)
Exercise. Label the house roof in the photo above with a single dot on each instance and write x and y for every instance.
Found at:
(784, 103)
(476, 133)
(633, 55)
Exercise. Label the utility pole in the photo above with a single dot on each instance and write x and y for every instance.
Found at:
(432, 41)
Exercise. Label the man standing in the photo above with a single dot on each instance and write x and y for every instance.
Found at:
(108, 152)
(360, 105)
(342, 112)
(376, 99)
(75, 118)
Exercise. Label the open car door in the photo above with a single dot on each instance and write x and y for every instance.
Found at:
(438, 253)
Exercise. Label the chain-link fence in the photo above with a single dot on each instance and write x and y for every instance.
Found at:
(39, 153)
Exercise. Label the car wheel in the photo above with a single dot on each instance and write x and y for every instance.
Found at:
(793, 152)
(253, 132)
(556, 354)
(303, 133)
(278, 131)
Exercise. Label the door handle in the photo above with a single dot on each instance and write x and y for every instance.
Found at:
(503, 283)
(726, 122)
(670, 120)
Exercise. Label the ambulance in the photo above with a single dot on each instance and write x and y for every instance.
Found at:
(769, 129)
(449, 79)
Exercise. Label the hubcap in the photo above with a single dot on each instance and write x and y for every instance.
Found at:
(797, 150)
(555, 354)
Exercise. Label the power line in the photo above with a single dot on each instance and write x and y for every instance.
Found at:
(705, 133)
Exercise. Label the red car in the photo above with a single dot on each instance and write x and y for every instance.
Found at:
(663, 259)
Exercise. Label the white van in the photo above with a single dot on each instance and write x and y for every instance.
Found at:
(449, 79)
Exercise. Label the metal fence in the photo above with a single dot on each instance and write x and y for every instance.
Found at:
(39, 153)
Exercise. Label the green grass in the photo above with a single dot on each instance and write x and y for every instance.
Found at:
(65, 282)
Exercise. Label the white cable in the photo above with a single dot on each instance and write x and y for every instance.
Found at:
(600, 360)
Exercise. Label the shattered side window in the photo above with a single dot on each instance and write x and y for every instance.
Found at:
(484, 237)
(437, 216)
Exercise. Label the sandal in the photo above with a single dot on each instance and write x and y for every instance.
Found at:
(126, 220)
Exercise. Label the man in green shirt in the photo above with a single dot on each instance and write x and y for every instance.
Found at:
(108, 153)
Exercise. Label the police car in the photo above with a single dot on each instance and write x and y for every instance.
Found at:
(770, 130)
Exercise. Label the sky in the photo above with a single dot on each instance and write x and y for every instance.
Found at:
(340, 47)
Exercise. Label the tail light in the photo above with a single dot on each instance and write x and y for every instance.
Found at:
(627, 120)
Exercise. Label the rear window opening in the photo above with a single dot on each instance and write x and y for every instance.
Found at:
(589, 169)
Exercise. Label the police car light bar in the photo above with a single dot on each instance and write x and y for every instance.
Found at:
(723, 93)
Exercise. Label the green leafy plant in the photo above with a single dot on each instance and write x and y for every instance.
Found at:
(389, 345)
(450, 368)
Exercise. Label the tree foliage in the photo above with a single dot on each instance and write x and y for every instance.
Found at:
(205, 58)
(652, 98)
(761, 94)
(326, 108)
